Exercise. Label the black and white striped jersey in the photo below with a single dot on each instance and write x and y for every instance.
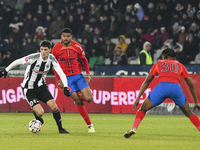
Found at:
(37, 70)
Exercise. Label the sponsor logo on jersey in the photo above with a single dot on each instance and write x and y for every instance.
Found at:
(40, 72)
(67, 60)
(83, 53)
(26, 59)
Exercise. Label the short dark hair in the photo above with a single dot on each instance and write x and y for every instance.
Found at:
(67, 30)
(169, 53)
(46, 43)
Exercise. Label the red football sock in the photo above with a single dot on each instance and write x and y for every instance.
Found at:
(81, 96)
(195, 120)
(82, 110)
(138, 118)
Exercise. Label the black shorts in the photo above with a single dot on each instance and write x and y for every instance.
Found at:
(34, 95)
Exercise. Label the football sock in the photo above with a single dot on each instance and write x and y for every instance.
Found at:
(195, 120)
(57, 117)
(82, 110)
(81, 96)
(38, 117)
(138, 118)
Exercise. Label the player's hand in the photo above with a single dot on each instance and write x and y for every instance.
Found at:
(136, 103)
(3, 73)
(60, 85)
(66, 91)
(88, 78)
(197, 106)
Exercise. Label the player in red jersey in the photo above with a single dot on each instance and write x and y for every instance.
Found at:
(169, 71)
(67, 53)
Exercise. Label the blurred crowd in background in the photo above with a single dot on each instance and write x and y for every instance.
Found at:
(113, 30)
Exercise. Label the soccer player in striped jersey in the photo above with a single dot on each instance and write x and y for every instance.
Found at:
(34, 86)
(67, 53)
(169, 71)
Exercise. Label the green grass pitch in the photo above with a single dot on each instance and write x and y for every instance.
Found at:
(156, 132)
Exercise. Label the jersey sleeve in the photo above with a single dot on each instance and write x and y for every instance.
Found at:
(154, 70)
(83, 58)
(58, 70)
(21, 61)
(184, 72)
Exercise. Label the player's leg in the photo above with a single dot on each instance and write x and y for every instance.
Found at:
(56, 115)
(45, 96)
(87, 94)
(82, 110)
(32, 99)
(155, 98)
(38, 112)
(180, 100)
(147, 104)
(80, 84)
(193, 117)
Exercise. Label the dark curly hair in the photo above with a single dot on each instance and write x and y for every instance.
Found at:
(169, 53)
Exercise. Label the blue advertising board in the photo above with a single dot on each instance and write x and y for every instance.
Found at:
(134, 70)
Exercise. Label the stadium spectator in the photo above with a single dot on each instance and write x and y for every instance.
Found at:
(3, 46)
(12, 51)
(51, 10)
(94, 22)
(81, 25)
(122, 44)
(151, 12)
(132, 26)
(146, 24)
(56, 27)
(159, 22)
(145, 55)
(108, 48)
(35, 24)
(94, 10)
(138, 11)
(105, 24)
(95, 47)
(129, 10)
(190, 48)
(28, 7)
(8, 15)
(40, 13)
(106, 10)
(114, 26)
(86, 46)
(3, 26)
(190, 10)
(150, 35)
(39, 35)
(179, 8)
(134, 47)
(174, 35)
(125, 23)
(88, 32)
(197, 18)
(161, 38)
(118, 57)
(194, 29)
(29, 47)
(182, 36)
(10, 3)
(181, 56)
(72, 24)
(47, 24)
(162, 10)
(175, 18)
(15, 33)
(28, 23)
(185, 21)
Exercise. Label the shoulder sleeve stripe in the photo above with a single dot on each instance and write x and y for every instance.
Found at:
(53, 59)
(79, 47)
(34, 56)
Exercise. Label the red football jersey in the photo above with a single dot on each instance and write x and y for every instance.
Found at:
(68, 58)
(169, 71)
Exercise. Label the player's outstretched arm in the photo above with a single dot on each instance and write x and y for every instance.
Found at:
(144, 86)
(193, 92)
(4, 72)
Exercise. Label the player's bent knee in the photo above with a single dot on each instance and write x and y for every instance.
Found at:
(54, 108)
(40, 112)
(89, 99)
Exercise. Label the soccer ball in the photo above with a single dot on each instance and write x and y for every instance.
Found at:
(35, 126)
